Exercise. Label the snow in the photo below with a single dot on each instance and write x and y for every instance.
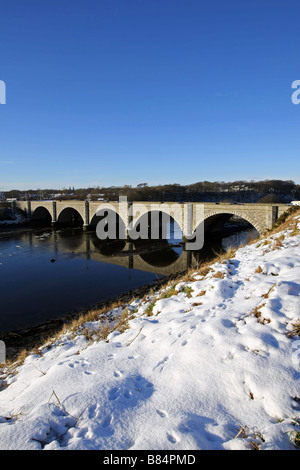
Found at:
(211, 367)
(18, 219)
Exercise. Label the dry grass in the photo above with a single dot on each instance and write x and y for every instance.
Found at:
(169, 292)
(278, 242)
(149, 309)
(105, 328)
(201, 293)
(286, 221)
(219, 275)
(297, 439)
(266, 295)
(122, 324)
(257, 313)
(286, 216)
(296, 330)
(295, 435)
(9, 367)
(204, 271)
(256, 437)
(101, 333)
(274, 245)
(295, 232)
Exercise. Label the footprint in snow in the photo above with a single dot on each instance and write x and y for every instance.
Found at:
(133, 389)
(132, 357)
(161, 413)
(113, 393)
(106, 421)
(161, 363)
(93, 411)
(127, 394)
(172, 438)
(88, 372)
(82, 363)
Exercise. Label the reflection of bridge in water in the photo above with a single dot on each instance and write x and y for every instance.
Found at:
(133, 260)
(159, 258)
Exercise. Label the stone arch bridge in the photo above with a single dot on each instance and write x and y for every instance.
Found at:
(187, 215)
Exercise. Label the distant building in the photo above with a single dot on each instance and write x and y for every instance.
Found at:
(295, 203)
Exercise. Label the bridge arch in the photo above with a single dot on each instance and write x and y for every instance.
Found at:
(109, 216)
(158, 224)
(214, 221)
(41, 214)
(69, 216)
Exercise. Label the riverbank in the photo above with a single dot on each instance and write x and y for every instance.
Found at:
(208, 361)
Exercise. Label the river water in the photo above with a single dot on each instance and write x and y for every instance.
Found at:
(48, 273)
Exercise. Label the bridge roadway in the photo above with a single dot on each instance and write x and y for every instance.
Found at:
(187, 215)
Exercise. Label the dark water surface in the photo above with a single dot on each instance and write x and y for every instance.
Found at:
(46, 273)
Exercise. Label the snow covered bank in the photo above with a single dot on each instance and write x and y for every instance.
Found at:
(211, 363)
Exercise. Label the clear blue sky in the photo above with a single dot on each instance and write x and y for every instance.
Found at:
(113, 92)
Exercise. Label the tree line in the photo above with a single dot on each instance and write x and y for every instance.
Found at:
(277, 191)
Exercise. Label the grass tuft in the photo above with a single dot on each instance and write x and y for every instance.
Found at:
(188, 291)
(257, 313)
(149, 309)
(296, 330)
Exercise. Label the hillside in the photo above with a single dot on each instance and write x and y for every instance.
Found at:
(211, 361)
